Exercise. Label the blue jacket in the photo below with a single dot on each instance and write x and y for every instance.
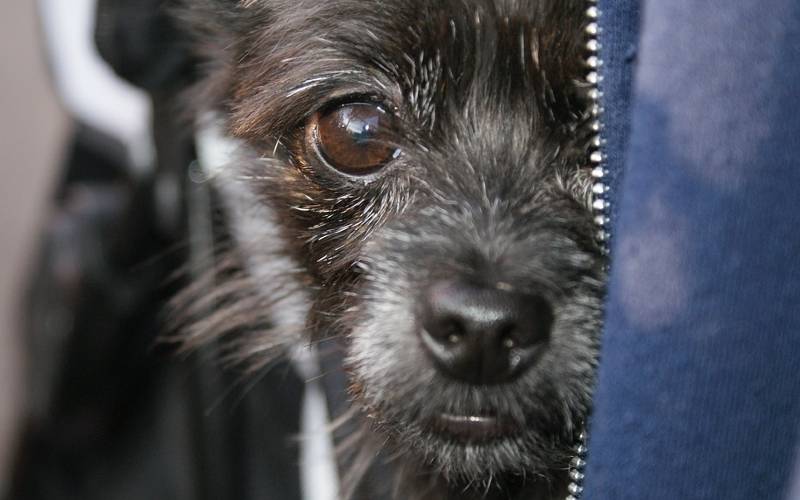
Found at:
(699, 391)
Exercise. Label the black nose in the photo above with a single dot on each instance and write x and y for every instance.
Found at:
(483, 335)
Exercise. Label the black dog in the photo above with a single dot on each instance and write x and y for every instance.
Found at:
(411, 179)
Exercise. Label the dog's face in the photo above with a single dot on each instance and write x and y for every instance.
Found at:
(412, 180)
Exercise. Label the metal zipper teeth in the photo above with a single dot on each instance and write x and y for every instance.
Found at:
(576, 466)
(600, 202)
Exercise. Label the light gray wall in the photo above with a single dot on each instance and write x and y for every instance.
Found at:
(32, 129)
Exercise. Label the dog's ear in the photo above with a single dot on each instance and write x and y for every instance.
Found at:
(200, 16)
(214, 30)
(203, 19)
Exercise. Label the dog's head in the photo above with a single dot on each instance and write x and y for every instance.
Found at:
(411, 179)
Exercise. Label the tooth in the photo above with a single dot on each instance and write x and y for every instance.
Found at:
(575, 489)
(577, 463)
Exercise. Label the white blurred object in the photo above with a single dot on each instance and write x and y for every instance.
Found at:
(89, 88)
(318, 474)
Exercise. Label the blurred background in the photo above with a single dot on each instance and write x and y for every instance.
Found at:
(93, 404)
(33, 131)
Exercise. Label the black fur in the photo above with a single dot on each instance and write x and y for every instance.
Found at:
(492, 185)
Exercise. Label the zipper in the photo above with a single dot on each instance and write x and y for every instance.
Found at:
(599, 201)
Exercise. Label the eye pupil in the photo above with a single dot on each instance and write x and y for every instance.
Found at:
(354, 138)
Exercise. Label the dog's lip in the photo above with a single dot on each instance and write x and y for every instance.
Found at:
(473, 427)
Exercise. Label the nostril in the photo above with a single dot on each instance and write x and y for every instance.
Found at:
(446, 331)
(507, 337)
(451, 330)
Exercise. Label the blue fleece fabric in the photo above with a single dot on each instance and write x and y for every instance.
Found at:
(699, 387)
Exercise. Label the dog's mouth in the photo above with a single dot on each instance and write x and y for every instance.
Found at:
(473, 428)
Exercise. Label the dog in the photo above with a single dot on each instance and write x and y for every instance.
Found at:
(410, 180)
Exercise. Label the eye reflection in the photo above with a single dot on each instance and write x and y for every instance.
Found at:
(354, 138)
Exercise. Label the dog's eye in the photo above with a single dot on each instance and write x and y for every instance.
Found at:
(354, 138)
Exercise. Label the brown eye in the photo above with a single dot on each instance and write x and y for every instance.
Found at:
(354, 138)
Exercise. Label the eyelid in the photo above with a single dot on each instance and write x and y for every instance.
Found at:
(353, 99)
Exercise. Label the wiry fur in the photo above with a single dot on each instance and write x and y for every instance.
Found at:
(491, 185)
